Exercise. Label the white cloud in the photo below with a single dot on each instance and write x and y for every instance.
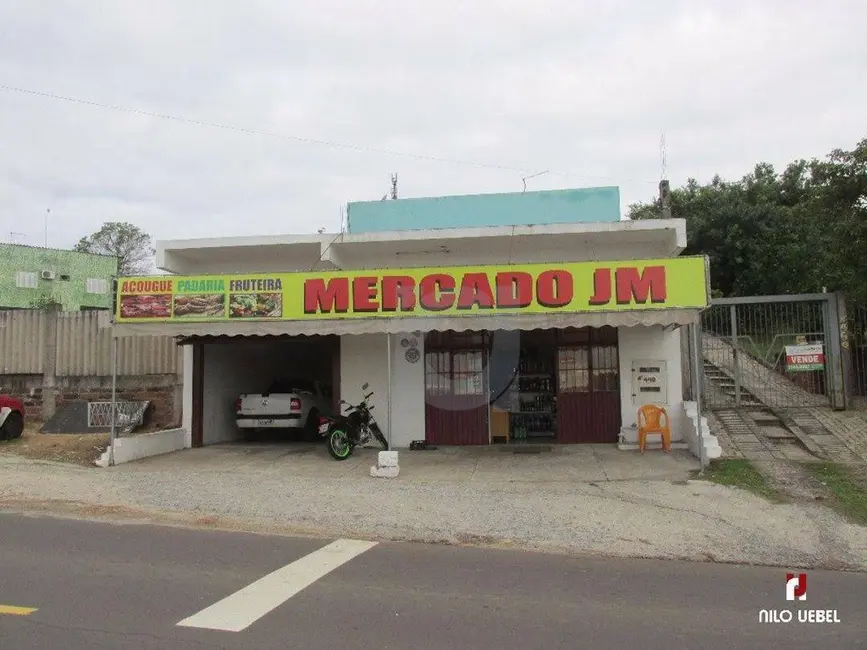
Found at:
(581, 88)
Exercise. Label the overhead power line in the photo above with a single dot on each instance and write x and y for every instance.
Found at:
(294, 138)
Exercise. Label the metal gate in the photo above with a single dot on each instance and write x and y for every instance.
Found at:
(772, 351)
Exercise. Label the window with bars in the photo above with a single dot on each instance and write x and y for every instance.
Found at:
(573, 367)
(605, 369)
(467, 372)
(455, 372)
(438, 373)
(588, 368)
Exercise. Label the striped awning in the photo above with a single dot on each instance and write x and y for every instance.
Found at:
(378, 325)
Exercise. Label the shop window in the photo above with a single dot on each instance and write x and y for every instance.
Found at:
(438, 373)
(454, 373)
(573, 365)
(605, 368)
(467, 373)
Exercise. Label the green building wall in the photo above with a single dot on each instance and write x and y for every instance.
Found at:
(74, 274)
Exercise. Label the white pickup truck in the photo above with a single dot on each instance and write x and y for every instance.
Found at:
(287, 404)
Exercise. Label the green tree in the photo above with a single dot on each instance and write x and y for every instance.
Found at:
(801, 230)
(131, 245)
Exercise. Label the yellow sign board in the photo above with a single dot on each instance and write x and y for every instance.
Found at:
(574, 287)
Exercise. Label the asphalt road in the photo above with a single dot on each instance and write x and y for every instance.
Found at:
(125, 586)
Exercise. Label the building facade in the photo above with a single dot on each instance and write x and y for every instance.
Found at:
(31, 277)
(554, 332)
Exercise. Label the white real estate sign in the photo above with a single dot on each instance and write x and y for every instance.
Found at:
(805, 357)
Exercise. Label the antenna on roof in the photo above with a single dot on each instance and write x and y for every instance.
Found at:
(526, 178)
(664, 186)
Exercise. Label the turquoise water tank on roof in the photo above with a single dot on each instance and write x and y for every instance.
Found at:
(589, 205)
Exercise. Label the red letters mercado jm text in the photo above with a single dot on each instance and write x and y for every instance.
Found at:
(436, 292)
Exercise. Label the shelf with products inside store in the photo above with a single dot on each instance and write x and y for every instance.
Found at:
(533, 407)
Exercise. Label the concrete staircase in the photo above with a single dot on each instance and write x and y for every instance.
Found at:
(723, 385)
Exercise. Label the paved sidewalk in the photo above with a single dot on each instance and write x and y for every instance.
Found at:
(573, 503)
(849, 427)
(740, 436)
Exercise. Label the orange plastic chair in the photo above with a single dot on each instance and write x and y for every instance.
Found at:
(654, 419)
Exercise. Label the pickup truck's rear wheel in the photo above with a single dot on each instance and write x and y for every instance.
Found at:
(311, 426)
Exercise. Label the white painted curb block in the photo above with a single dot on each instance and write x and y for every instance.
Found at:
(387, 459)
(386, 465)
(384, 472)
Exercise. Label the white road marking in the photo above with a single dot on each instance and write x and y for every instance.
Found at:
(243, 608)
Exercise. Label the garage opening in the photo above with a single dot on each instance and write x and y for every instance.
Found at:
(266, 370)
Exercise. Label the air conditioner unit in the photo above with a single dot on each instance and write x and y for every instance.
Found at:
(48, 275)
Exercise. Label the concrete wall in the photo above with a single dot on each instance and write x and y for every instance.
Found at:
(225, 380)
(163, 391)
(594, 204)
(363, 358)
(144, 445)
(249, 366)
(49, 357)
(650, 344)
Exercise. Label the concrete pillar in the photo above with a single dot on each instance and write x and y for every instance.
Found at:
(178, 391)
(49, 363)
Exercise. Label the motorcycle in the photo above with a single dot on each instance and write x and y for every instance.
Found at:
(353, 428)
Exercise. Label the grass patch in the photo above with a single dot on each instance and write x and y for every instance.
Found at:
(740, 473)
(847, 484)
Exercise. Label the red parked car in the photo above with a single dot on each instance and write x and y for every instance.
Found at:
(11, 418)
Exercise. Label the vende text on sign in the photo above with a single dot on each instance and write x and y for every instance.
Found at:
(805, 358)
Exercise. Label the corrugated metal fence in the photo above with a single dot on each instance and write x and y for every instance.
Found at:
(83, 346)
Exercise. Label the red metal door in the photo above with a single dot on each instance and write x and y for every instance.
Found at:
(588, 388)
(456, 392)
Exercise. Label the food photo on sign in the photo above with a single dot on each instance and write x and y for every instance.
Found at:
(146, 306)
(255, 305)
(200, 305)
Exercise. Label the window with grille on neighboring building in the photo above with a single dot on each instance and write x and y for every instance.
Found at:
(25, 280)
(97, 285)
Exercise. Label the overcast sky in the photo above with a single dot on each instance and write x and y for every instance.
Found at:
(583, 89)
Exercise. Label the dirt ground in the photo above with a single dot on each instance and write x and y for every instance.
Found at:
(77, 448)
